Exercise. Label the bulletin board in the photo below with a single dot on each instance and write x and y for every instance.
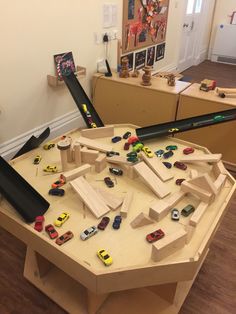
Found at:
(144, 23)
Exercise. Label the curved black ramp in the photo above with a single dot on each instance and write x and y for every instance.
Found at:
(80, 98)
(20, 194)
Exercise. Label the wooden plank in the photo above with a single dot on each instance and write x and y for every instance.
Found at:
(77, 153)
(193, 173)
(204, 158)
(151, 180)
(100, 163)
(126, 203)
(88, 155)
(90, 197)
(220, 181)
(110, 199)
(157, 167)
(140, 221)
(198, 214)
(94, 144)
(168, 245)
(100, 132)
(159, 209)
(201, 193)
(77, 172)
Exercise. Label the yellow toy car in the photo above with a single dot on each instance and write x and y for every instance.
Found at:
(104, 257)
(37, 159)
(61, 219)
(50, 169)
(48, 146)
(147, 151)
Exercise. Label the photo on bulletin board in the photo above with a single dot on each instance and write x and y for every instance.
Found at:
(140, 59)
(144, 23)
(64, 64)
(130, 57)
(160, 51)
(151, 55)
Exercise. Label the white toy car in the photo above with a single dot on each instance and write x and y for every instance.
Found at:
(175, 214)
(88, 233)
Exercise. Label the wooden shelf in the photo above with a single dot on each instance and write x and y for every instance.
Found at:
(54, 81)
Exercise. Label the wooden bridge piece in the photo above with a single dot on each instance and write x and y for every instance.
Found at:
(140, 221)
(93, 144)
(75, 173)
(110, 199)
(100, 132)
(126, 204)
(204, 158)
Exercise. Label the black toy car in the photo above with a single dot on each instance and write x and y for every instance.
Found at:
(116, 171)
(109, 182)
(126, 135)
(56, 191)
(116, 139)
(111, 153)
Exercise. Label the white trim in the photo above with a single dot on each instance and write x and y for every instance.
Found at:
(57, 126)
(168, 68)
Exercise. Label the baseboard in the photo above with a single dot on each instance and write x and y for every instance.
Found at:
(57, 126)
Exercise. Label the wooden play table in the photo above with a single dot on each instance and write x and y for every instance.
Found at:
(72, 275)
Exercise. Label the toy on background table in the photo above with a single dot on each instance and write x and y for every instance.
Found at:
(104, 257)
(207, 85)
(135, 73)
(39, 223)
(88, 233)
(64, 238)
(146, 77)
(124, 71)
(171, 79)
(53, 234)
(61, 219)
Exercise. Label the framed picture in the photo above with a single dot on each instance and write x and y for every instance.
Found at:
(151, 55)
(130, 57)
(144, 23)
(160, 51)
(64, 64)
(140, 59)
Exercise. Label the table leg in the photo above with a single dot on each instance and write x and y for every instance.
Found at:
(95, 301)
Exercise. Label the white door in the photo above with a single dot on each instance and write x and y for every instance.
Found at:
(196, 19)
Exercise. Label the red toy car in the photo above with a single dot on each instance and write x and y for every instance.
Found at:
(64, 238)
(188, 150)
(53, 234)
(126, 146)
(154, 236)
(103, 223)
(58, 183)
(39, 223)
(180, 165)
(133, 139)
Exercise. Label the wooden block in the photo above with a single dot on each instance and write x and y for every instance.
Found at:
(157, 167)
(77, 153)
(118, 160)
(193, 173)
(105, 131)
(93, 144)
(204, 182)
(151, 180)
(201, 193)
(219, 168)
(204, 158)
(100, 163)
(126, 203)
(140, 221)
(90, 197)
(110, 199)
(75, 173)
(131, 173)
(168, 245)
(198, 214)
(190, 232)
(89, 156)
(70, 154)
(220, 181)
(159, 209)
(64, 165)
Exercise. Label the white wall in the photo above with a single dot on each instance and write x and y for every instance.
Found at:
(223, 10)
(31, 32)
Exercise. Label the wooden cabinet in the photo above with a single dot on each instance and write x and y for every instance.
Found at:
(125, 100)
(217, 138)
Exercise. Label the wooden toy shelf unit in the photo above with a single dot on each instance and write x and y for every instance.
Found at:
(144, 277)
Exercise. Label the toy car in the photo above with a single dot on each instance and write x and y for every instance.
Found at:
(61, 219)
(58, 183)
(147, 151)
(116, 139)
(154, 236)
(50, 169)
(109, 182)
(111, 153)
(132, 159)
(117, 222)
(53, 234)
(48, 146)
(180, 165)
(64, 238)
(133, 139)
(168, 154)
(159, 152)
(132, 154)
(175, 214)
(188, 150)
(86, 234)
(207, 85)
(126, 135)
(103, 223)
(38, 225)
(171, 147)
(56, 192)
(137, 147)
(173, 130)
(187, 210)
(126, 146)
(116, 171)
(37, 159)
(167, 164)
(179, 181)
(104, 257)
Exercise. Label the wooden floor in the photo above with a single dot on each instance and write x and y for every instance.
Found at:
(224, 74)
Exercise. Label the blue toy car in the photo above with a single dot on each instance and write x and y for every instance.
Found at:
(117, 222)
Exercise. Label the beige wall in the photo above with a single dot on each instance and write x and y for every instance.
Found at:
(223, 10)
(31, 32)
